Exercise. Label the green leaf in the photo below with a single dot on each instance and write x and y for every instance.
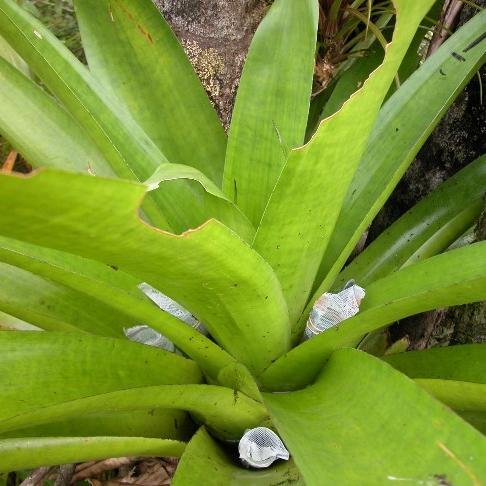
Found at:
(430, 227)
(34, 452)
(403, 124)
(119, 291)
(315, 179)
(363, 411)
(121, 141)
(156, 423)
(453, 278)
(272, 103)
(459, 395)
(132, 51)
(210, 271)
(52, 306)
(226, 412)
(57, 140)
(82, 274)
(455, 375)
(460, 363)
(212, 201)
(7, 53)
(125, 146)
(48, 368)
(204, 458)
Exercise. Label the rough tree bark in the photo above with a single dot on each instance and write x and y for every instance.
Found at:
(216, 35)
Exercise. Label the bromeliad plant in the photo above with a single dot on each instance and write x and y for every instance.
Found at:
(246, 232)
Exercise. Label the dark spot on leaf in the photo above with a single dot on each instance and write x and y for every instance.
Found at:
(442, 72)
(475, 42)
(145, 33)
(442, 480)
(114, 267)
(457, 56)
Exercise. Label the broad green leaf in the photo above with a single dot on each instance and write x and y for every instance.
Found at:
(209, 271)
(427, 229)
(364, 423)
(204, 458)
(119, 291)
(455, 375)
(48, 368)
(453, 278)
(272, 103)
(34, 452)
(302, 211)
(157, 423)
(212, 201)
(54, 307)
(57, 140)
(117, 136)
(459, 395)
(7, 53)
(121, 141)
(71, 270)
(460, 363)
(132, 51)
(403, 124)
(226, 412)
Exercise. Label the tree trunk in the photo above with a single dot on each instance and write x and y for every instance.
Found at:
(216, 35)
